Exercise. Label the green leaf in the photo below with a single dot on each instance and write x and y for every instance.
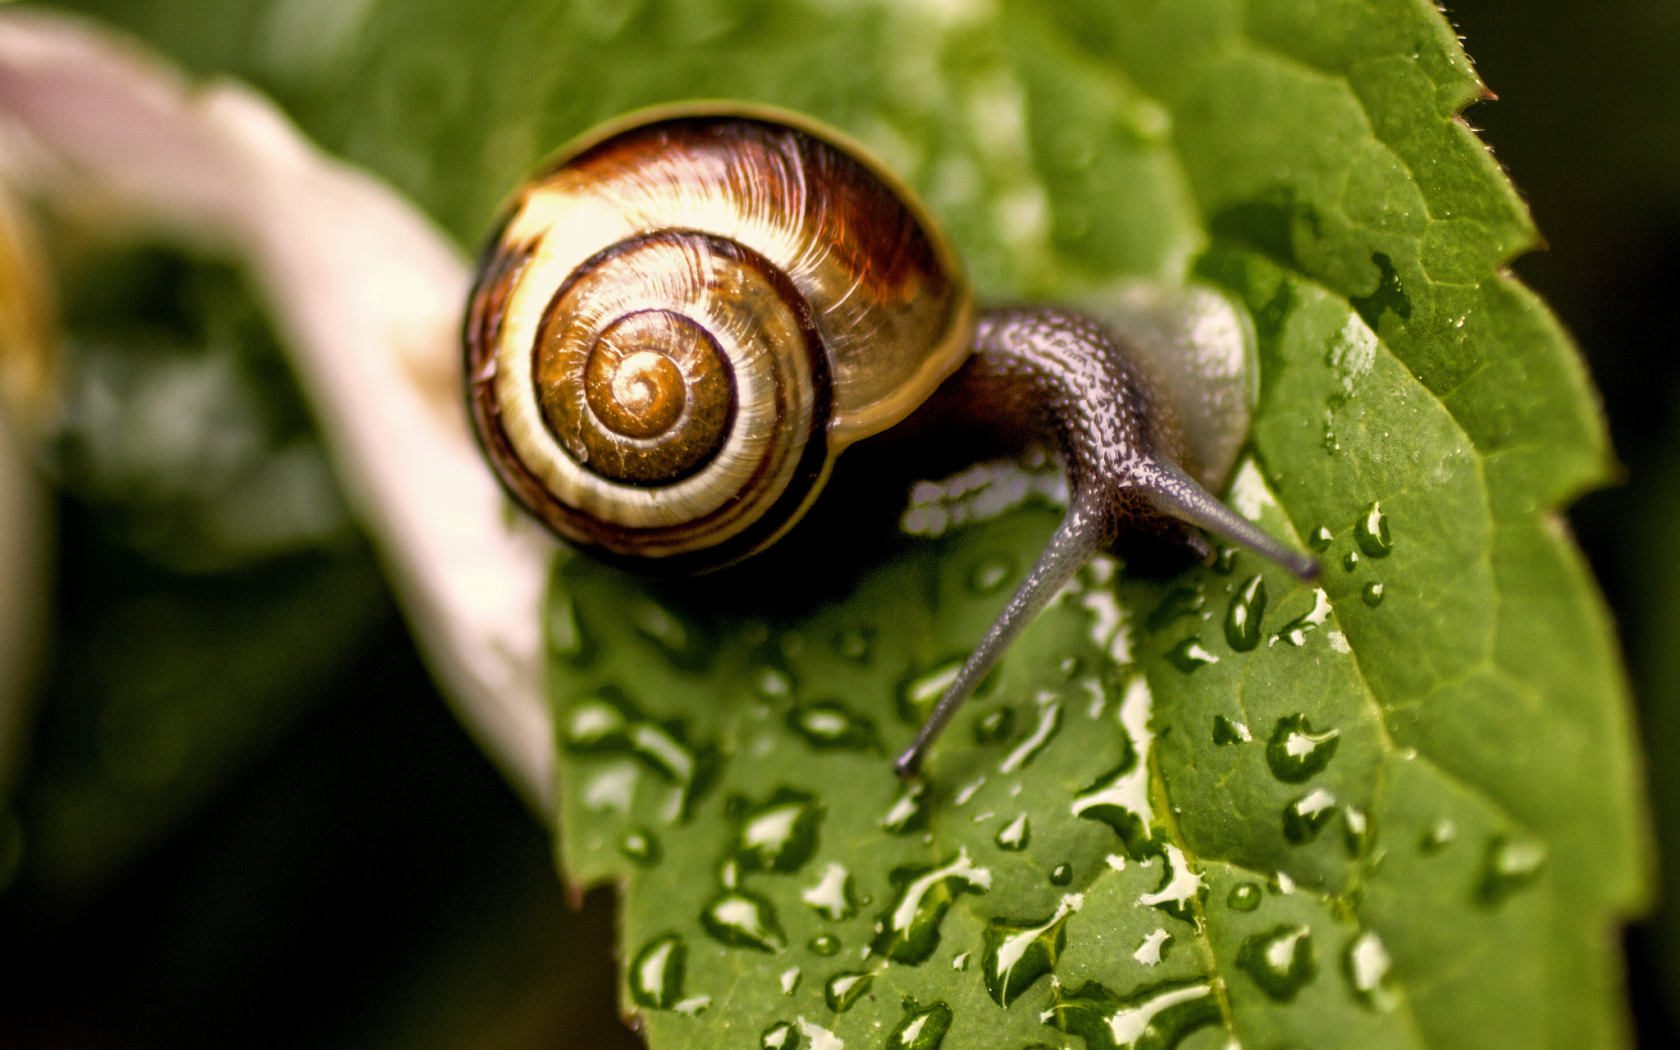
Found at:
(1449, 876)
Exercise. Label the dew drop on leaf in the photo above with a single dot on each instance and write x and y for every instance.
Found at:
(922, 1028)
(1360, 832)
(1189, 656)
(1181, 886)
(1245, 896)
(1366, 964)
(1061, 875)
(1049, 723)
(1296, 752)
(1511, 864)
(1371, 533)
(824, 944)
(567, 639)
(743, 920)
(909, 928)
(1320, 539)
(994, 727)
(1244, 615)
(780, 835)
(640, 846)
(855, 644)
(1305, 817)
(1156, 1017)
(1014, 835)
(681, 641)
(1226, 731)
(656, 974)
(1280, 961)
(1017, 954)
(918, 694)
(1439, 836)
(828, 726)
(843, 990)
(990, 574)
(1372, 594)
(1180, 602)
(832, 895)
(1350, 561)
(909, 813)
(779, 1036)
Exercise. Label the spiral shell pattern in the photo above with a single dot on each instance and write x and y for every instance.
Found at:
(683, 320)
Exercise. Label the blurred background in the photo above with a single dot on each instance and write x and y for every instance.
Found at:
(307, 850)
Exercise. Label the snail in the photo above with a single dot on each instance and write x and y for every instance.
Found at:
(685, 317)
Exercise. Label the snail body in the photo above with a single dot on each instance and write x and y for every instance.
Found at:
(687, 316)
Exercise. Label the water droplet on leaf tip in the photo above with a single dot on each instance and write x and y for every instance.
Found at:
(1372, 534)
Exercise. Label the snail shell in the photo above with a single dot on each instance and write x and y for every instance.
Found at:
(686, 316)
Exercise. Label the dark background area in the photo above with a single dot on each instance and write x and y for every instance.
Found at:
(360, 876)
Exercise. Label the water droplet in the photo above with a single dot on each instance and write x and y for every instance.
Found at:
(780, 835)
(1018, 954)
(1305, 817)
(1189, 656)
(599, 724)
(773, 683)
(1158, 1017)
(1371, 533)
(909, 929)
(991, 574)
(918, 694)
(824, 944)
(743, 920)
(1439, 835)
(1295, 631)
(1070, 666)
(1180, 602)
(1226, 731)
(961, 961)
(779, 1036)
(909, 813)
(1244, 896)
(1181, 887)
(656, 975)
(1320, 539)
(819, 1038)
(832, 895)
(1360, 833)
(1061, 875)
(1049, 722)
(968, 790)
(729, 874)
(1280, 961)
(1511, 864)
(790, 980)
(828, 726)
(994, 727)
(921, 1029)
(608, 723)
(693, 1006)
(1243, 615)
(843, 990)
(680, 640)
(1226, 561)
(1366, 965)
(1296, 753)
(1015, 834)
(640, 846)
(1153, 948)
(1372, 594)
(1120, 797)
(855, 644)
(1350, 561)
(567, 638)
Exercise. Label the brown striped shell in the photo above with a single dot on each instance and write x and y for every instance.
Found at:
(686, 316)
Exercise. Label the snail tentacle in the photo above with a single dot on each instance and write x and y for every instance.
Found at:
(1071, 379)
